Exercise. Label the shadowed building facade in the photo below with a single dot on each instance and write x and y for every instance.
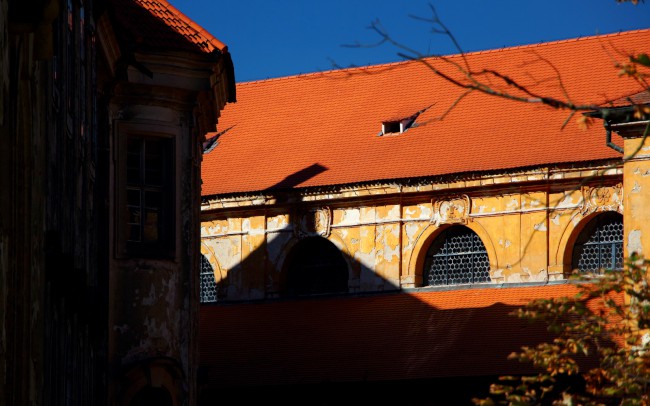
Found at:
(104, 105)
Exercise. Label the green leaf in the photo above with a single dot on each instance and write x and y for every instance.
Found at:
(642, 59)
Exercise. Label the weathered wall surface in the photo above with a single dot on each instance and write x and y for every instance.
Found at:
(154, 315)
(51, 321)
(527, 222)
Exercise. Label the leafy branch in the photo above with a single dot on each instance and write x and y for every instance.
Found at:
(602, 339)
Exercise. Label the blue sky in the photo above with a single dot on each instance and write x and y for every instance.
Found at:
(275, 38)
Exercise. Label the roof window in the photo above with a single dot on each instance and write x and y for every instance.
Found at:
(396, 126)
(401, 125)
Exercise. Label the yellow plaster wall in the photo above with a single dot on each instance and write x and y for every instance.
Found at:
(527, 234)
(637, 185)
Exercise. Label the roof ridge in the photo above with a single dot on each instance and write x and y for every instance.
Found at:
(485, 51)
(560, 41)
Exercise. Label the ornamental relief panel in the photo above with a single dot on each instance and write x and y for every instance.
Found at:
(453, 210)
(606, 198)
(313, 222)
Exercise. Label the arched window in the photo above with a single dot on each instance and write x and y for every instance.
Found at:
(600, 244)
(208, 284)
(316, 266)
(457, 256)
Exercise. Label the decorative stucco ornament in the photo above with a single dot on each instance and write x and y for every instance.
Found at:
(451, 210)
(605, 198)
(313, 222)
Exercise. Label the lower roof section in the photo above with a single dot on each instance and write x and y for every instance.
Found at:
(382, 337)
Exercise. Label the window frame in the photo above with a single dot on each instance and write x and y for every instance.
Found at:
(208, 287)
(165, 245)
(592, 225)
(439, 241)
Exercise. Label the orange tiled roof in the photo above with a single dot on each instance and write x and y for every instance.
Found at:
(373, 338)
(158, 24)
(331, 120)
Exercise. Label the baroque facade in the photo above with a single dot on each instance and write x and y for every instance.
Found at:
(103, 108)
(370, 234)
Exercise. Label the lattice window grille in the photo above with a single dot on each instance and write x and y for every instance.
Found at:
(603, 249)
(208, 283)
(461, 258)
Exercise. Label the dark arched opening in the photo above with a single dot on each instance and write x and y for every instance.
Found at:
(316, 266)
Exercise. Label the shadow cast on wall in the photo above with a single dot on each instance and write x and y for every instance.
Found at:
(314, 338)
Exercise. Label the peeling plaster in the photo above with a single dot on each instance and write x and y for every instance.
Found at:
(367, 243)
(427, 211)
(393, 213)
(567, 201)
(508, 243)
(634, 242)
(275, 250)
(390, 253)
(411, 232)
(413, 213)
(367, 214)
(158, 336)
(540, 227)
(391, 245)
(350, 216)
(256, 231)
(512, 205)
(170, 297)
(366, 260)
(214, 228)
(151, 298)
(481, 209)
(516, 278)
(121, 329)
(636, 188)
(556, 219)
(277, 223)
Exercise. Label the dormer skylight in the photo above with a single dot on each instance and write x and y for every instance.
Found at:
(398, 126)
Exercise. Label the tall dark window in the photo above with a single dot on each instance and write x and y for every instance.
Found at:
(149, 195)
(457, 256)
(316, 266)
(600, 244)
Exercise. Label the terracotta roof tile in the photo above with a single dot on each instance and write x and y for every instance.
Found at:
(158, 24)
(281, 126)
(466, 332)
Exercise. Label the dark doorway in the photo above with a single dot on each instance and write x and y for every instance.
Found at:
(316, 266)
